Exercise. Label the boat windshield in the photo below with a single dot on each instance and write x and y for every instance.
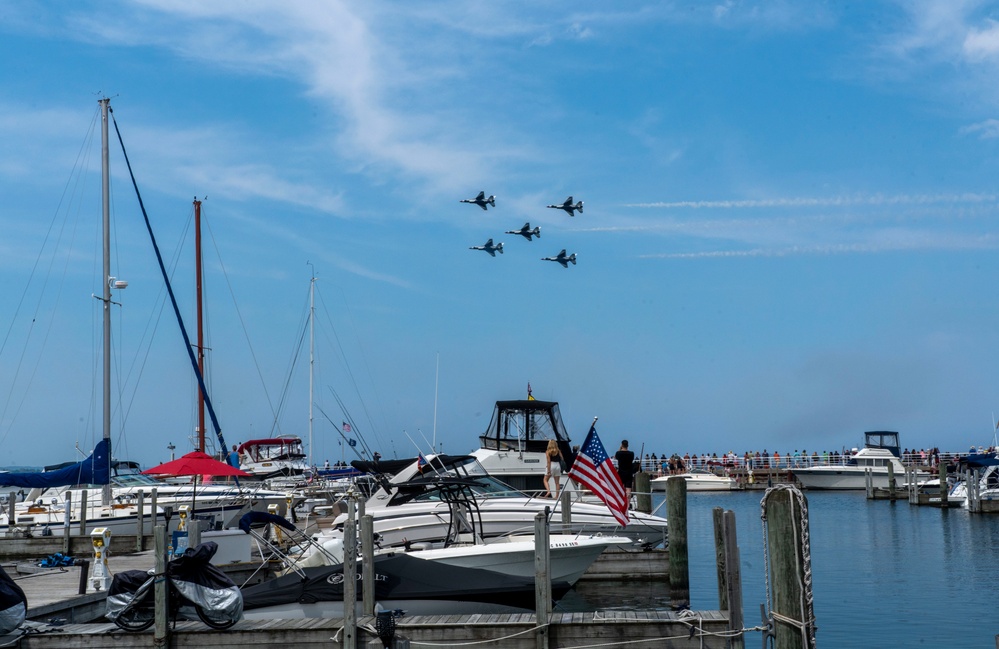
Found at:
(478, 483)
(135, 480)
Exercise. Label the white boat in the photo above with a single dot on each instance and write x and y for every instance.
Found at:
(987, 465)
(411, 506)
(698, 480)
(570, 554)
(881, 451)
(273, 457)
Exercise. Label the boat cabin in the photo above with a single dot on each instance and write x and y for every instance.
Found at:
(887, 440)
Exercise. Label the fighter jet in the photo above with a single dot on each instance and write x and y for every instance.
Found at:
(491, 249)
(569, 207)
(481, 201)
(526, 231)
(562, 259)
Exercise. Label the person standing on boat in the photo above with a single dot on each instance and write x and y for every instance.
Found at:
(234, 457)
(625, 468)
(553, 468)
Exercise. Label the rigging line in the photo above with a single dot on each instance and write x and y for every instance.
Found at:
(350, 420)
(242, 321)
(173, 299)
(73, 181)
(337, 428)
(350, 373)
(153, 322)
(76, 183)
(287, 381)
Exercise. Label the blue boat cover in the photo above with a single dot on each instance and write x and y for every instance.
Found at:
(96, 469)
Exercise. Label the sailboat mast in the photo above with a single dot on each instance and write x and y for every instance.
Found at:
(312, 354)
(106, 295)
(201, 328)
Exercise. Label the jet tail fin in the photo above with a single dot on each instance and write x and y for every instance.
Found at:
(499, 247)
(572, 258)
(579, 206)
(491, 200)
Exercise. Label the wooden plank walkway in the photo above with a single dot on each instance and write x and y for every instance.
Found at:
(609, 628)
(55, 592)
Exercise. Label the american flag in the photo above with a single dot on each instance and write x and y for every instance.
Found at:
(346, 427)
(595, 471)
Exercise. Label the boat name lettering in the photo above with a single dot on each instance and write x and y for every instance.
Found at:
(337, 579)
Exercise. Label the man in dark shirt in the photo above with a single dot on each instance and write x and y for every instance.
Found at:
(625, 467)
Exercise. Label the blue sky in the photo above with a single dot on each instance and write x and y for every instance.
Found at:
(789, 233)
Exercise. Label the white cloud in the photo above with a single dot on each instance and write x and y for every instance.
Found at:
(986, 130)
(981, 44)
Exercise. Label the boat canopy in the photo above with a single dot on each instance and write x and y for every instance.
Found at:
(526, 425)
(276, 448)
(887, 440)
(96, 469)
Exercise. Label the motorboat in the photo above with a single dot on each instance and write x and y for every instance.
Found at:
(881, 451)
(273, 457)
(987, 467)
(570, 555)
(698, 480)
(402, 581)
(408, 506)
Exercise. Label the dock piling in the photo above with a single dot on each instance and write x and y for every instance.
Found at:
(350, 576)
(83, 512)
(542, 577)
(944, 492)
(140, 526)
(788, 555)
(676, 515)
(643, 492)
(716, 517)
(368, 563)
(733, 580)
(67, 521)
(161, 629)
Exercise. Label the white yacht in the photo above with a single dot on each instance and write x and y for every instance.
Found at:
(698, 480)
(881, 451)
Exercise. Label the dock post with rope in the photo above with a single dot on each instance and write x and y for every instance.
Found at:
(787, 552)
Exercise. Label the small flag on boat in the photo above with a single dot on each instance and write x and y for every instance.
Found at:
(421, 462)
(352, 443)
(529, 397)
(346, 428)
(594, 470)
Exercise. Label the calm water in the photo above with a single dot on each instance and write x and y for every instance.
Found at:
(884, 574)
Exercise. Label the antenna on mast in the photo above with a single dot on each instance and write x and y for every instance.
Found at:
(437, 375)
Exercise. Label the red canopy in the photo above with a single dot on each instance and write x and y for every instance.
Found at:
(197, 463)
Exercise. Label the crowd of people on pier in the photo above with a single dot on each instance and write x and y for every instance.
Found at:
(676, 464)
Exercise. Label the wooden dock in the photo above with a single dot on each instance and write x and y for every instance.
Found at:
(690, 630)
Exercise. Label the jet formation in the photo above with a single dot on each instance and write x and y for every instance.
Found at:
(526, 231)
(569, 207)
(562, 259)
(481, 201)
(491, 249)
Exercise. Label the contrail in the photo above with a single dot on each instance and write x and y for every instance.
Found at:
(975, 243)
(835, 201)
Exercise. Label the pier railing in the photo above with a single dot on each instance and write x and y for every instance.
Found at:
(722, 464)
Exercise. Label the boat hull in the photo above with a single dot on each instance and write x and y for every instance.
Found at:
(843, 478)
